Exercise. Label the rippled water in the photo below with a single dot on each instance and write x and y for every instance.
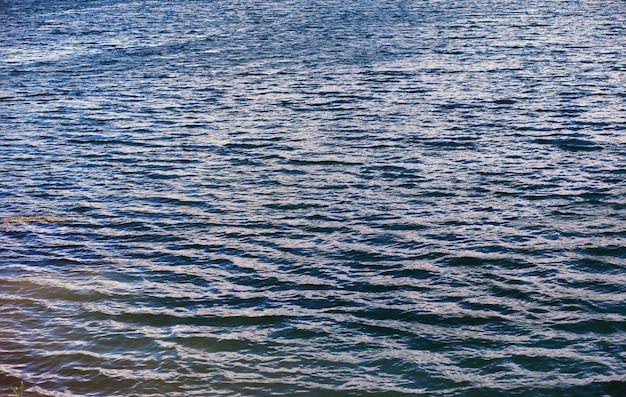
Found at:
(314, 198)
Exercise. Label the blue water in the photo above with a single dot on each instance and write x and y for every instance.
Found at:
(313, 198)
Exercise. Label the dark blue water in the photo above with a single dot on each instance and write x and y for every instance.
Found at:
(313, 198)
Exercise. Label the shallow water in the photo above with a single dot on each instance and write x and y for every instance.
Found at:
(316, 198)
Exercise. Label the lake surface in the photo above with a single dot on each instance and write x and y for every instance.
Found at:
(313, 198)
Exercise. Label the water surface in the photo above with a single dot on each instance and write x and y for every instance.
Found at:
(313, 198)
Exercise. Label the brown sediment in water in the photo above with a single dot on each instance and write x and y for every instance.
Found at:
(41, 219)
(14, 223)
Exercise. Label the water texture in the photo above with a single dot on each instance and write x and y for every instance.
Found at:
(313, 198)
